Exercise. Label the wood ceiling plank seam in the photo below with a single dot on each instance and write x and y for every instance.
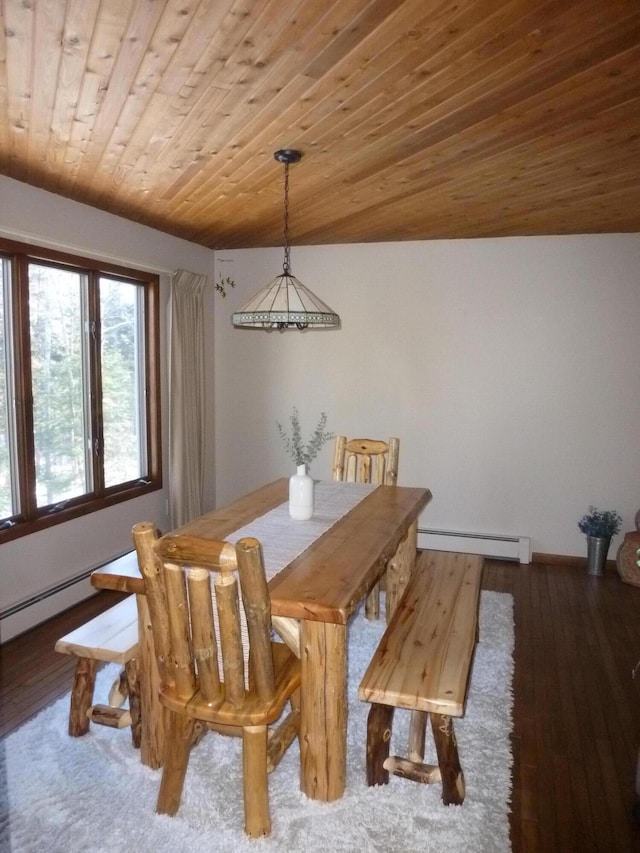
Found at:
(130, 54)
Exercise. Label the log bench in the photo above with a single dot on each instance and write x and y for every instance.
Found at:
(111, 636)
(422, 664)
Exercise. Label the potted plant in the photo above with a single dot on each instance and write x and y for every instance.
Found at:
(599, 526)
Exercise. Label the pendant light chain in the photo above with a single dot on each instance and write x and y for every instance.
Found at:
(285, 266)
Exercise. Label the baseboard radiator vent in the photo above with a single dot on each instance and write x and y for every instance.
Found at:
(26, 614)
(501, 547)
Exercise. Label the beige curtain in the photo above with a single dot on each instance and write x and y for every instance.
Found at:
(186, 397)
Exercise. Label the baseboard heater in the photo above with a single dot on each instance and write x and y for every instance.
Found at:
(488, 545)
(41, 596)
(29, 612)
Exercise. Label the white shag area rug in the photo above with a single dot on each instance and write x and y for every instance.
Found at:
(92, 795)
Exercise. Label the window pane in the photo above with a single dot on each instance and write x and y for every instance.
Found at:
(122, 381)
(8, 496)
(56, 300)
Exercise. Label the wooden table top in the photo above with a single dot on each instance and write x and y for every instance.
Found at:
(326, 582)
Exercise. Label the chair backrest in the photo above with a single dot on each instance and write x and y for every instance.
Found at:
(365, 460)
(201, 629)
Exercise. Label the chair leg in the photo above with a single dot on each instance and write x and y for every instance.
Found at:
(82, 696)
(254, 781)
(176, 757)
(453, 788)
(133, 689)
(119, 690)
(379, 725)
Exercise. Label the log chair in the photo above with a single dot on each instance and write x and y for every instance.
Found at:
(365, 460)
(207, 675)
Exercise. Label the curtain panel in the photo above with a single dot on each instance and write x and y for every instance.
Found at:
(186, 396)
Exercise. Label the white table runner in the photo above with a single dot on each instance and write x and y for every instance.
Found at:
(284, 539)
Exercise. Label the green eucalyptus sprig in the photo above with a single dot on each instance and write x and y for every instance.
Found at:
(300, 453)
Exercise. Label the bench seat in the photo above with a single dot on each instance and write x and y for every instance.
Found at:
(422, 664)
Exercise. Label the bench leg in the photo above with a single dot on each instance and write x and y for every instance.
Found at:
(379, 725)
(453, 788)
(82, 696)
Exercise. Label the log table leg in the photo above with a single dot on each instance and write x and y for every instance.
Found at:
(453, 788)
(399, 569)
(323, 724)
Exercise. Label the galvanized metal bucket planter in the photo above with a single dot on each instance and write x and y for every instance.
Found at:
(597, 550)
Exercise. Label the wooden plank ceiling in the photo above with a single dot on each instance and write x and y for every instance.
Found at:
(417, 119)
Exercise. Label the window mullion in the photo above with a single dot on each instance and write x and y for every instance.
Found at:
(24, 390)
(94, 337)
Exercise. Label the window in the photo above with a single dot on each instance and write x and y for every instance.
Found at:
(79, 387)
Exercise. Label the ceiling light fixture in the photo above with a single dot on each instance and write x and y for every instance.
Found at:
(286, 303)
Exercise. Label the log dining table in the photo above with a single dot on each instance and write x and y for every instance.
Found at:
(312, 600)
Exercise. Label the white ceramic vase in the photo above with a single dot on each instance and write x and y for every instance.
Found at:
(301, 495)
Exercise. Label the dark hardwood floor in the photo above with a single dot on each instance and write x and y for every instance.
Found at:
(576, 727)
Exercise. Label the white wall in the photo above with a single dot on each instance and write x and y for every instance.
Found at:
(39, 562)
(507, 367)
